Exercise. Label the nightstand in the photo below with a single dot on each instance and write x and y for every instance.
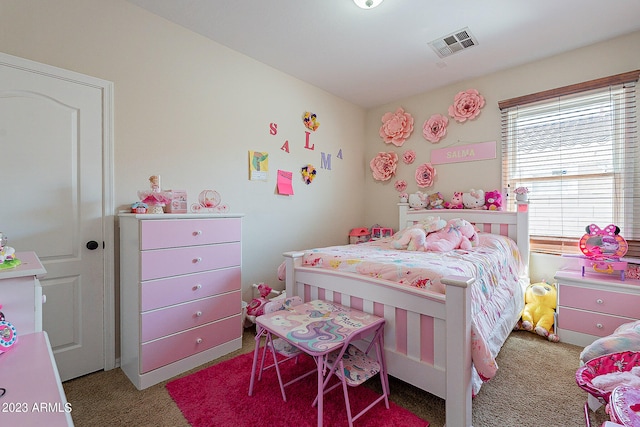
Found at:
(594, 305)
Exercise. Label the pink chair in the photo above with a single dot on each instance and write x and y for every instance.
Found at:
(280, 349)
(353, 367)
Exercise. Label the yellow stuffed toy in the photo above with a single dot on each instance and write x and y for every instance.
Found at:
(538, 315)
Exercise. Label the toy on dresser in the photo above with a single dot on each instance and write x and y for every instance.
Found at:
(7, 253)
(602, 249)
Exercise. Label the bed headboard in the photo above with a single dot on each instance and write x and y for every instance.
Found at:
(512, 224)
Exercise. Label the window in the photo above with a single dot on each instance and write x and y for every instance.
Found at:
(576, 150)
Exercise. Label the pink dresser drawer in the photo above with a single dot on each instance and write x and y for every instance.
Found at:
(173, 262)
(615, 303)
(596, 324)
(166, 321)
(161, 352)
(164, 292)
(169, 233)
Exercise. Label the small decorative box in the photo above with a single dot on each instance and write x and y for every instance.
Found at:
(380, 232)
(178, 203)
(359, 235)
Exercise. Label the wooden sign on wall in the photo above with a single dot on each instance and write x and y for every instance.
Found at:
(464, 153)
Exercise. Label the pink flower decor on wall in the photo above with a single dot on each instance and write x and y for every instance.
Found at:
(435, 128)
(466, 105)
(396, 127)
(425, 174)
(409, 157)
(383, 166)
(401, 185)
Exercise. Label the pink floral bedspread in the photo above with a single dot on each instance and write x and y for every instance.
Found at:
(495, 263)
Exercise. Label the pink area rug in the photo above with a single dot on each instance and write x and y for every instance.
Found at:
(218, 396)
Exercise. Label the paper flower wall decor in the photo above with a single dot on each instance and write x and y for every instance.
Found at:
(383, 166)
(435, 128)
(310, 121)
(308, 173)
(425, 175)
(396, 127)
(409, 157)
(466, 105)
(401, 185)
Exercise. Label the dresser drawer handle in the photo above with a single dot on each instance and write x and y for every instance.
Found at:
(197, 232)
(197, 287)
(599, 325)
(198, 313)
(599, 301)
(197, 260)
(199, 340)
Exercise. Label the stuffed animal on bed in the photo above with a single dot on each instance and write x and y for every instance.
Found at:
(457, 234)
(474, 199)
(414, 238)
(493, 200)
(418, 200)
(455, 202)
(435, 201)
(538, 315)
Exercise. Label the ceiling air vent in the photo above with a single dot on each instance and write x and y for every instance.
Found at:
(453, 43)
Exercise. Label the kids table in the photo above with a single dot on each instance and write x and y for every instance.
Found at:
(318, 328)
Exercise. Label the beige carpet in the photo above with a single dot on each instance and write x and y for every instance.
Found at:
(534, 387)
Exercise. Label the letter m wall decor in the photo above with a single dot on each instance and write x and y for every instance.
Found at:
(464, 153)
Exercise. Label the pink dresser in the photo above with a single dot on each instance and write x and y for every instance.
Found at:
(180, 292)
(594, 305)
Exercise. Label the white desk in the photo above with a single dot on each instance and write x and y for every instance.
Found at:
(34, 395)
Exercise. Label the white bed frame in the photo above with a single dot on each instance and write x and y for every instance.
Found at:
(425, 333)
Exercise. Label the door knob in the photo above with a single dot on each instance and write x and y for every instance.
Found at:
(92, 245)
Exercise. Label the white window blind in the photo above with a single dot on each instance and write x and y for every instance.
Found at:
(578, 155)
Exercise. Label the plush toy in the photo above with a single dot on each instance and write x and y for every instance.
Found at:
(256, 306)
(435, 201)
(456, 201)
(474, 199)
(417, 200)
(493, 200)
(457, 234)
(414, 238)
(539, 310)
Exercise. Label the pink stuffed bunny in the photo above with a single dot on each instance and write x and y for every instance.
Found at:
(256, 306)
(458, 234)
(456, 201)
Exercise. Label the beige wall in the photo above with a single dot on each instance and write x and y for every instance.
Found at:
(190, 109)
(600, 60)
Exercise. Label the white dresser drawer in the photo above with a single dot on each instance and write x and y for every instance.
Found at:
(173, 262)
(170, 233)
(602, 301)
(166, 350)
(174, 290)
(166, 321)
(588, 322)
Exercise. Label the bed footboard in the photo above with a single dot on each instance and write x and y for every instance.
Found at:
(427, 341)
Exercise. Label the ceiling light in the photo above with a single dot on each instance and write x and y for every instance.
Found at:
(367, 4)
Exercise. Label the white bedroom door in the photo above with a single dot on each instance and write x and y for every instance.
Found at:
(51, 201)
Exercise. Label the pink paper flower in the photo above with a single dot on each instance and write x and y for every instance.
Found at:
(408, 157)
(466, 105)
(435, 128)
(396, 127)
(425, 174)
(384, 165)
(401, 185)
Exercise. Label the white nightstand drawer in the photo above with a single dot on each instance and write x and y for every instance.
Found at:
(602, 301)
(588, 322)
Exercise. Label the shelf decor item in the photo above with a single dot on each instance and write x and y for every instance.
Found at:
(522, 194)
(155, 198)
(602, 249)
